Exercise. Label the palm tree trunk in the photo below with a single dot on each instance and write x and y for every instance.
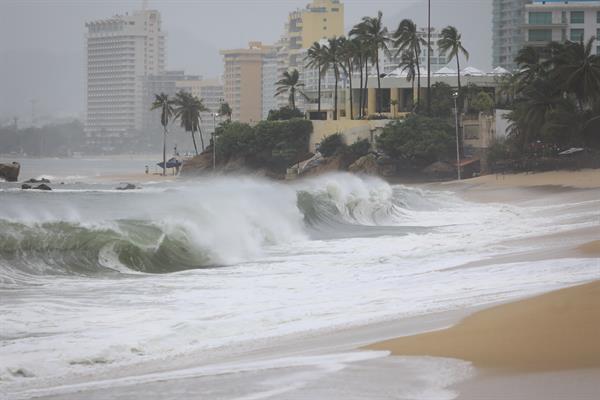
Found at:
(412, 101)
(319, 93)
(335, 101)
(293, 98)
(360, 92)
(379, 94)
(194, 140)
(461, 149)
(364, 105)
(164, 150)
(418, 81)
(201, 138)
(351, 96)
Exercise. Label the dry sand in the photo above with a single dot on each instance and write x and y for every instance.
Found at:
(584, 179)
(555, 331)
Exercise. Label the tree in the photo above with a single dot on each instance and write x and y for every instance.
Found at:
(331, 144)
(418, 139)
(375, 36)
(579, 69)
(316, 59)
(284, 114)
(409, 64)
(162, 102)
(187, 110)
(290, 83)
(442, 104)
(348, 52)
(450, 44)
(332, 60)
(407, 38)
(226, 110)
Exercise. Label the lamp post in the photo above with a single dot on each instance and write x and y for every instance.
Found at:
(214, 139)
(455, 97)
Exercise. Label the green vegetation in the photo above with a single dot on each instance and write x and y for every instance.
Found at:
(270, 145)
(290, 83)
(408, 40)
(226, 110)
(556, 97)
(450, 43)
(331, 145)
(418, 139)
(187, 109)
(284, 114)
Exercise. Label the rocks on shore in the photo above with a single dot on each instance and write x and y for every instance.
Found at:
(10, 172)
(33, 180)
(126, 186)
(43, 186)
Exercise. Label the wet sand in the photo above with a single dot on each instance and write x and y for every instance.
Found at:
(554, 331)
(584, 179)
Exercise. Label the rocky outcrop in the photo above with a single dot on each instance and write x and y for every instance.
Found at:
(10, 172)
(25, 186)
(33, 180)
(365, 165)
(322, 165)
(126, 186)
(43, 186)
(202, 163)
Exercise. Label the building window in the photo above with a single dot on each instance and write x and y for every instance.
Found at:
(540, 35)
(598, 17)
(576, 35)
(540, 18)
(577, 17)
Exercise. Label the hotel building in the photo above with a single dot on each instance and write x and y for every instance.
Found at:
(121, 52)
(507, 35)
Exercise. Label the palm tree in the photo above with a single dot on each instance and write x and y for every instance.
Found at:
(290, 82)
(348, 52)
(450, 43)
(332, 60)
(226, 110)
(187, 110)
(580, 72)
(407, 38)
(360, 36)
(162, 102)
(316, 59)
(376, 37)
(408, 64)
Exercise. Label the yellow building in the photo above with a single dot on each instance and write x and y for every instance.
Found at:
(321, 19)
(242, 81)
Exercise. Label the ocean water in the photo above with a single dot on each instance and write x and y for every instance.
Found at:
(97, 282)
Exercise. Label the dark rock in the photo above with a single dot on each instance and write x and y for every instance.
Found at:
(197, 165)
(33, 180)
(10, 172)
(43, 186)
(126, 186)
(365, 165)
(25, 186)
(329, 164)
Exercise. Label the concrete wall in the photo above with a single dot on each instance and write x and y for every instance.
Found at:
(352, 130)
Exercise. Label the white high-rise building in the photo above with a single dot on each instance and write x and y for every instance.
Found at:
(121, 52)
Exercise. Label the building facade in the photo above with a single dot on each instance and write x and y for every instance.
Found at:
(562, 21)
(243, 81)
(392, 60)
(507, 35)
(121, 52)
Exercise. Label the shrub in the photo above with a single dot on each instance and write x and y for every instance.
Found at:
(359, 148)
(332, 144)
(284, 114)
(419, 139)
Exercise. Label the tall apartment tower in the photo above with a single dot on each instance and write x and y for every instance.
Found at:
(243, 81)
(321, 19)
(121, 52)
(508, 35)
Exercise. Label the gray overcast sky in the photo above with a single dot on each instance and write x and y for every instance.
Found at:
(42, 41)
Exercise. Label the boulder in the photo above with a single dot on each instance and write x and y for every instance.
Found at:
(126, 186)
(25, 186)
(329, 164)
(33, 180)
(365, 165)
(43, 186)
(197, 165)
(10, 172)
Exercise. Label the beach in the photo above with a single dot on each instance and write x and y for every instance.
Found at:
(363, 290)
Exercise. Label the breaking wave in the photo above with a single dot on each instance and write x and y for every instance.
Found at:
(212, 222)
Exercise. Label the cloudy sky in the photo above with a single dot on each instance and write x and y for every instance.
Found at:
(42, 41)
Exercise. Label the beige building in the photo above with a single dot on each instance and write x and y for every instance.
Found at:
(243, 81)
(321, 19)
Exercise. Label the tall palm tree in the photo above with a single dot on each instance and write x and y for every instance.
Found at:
(316, 60)
(450, 43)
(360, 35)
(187, 110)
(290, 82)
(408, 64)
(407, 38)
(376, 37)
(348, 52)
(580, 72)
(332, 60)
(162, 102)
